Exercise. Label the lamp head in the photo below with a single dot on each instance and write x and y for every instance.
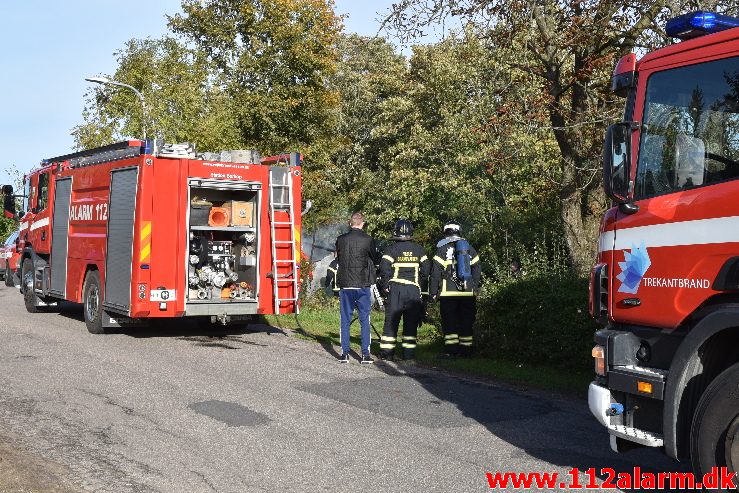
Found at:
(98, 80)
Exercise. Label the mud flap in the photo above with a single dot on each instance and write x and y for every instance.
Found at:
(117, 321)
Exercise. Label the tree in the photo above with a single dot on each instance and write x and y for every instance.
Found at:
(273, 57)
(569, 48)
(233, 74)
(184, 102)
(428, 144)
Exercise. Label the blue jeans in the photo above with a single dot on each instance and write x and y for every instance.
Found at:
(360, 299)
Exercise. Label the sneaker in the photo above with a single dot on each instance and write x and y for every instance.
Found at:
(344, 358)
(366, 359)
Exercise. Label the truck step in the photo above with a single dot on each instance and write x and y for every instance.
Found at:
(626, 378)
(643, 371)
(642, 437)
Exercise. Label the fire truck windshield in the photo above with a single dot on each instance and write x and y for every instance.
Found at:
(690, 135)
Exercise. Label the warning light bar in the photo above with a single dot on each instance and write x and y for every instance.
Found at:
(698, 24)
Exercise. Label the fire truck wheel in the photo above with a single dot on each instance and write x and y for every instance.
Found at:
(714, 434)
(92, 303)
(8, 277)
(29, 297)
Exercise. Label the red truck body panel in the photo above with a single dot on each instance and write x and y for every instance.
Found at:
(160, 245)
(689, 234)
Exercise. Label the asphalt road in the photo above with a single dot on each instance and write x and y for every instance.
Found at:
(180, 409)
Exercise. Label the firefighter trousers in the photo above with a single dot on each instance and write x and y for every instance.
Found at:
(404, 301)
(457, 318)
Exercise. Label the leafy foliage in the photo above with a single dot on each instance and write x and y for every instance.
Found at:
(499, 126)
(562, 335)
(569, 48)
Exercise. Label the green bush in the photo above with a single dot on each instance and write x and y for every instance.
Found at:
(537, 319)
(7, 226)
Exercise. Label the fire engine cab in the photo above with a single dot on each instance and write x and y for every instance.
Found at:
(142, 229)
(666, 285)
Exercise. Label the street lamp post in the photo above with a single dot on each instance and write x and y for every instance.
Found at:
(106, 81)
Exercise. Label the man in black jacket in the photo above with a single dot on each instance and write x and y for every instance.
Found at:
(404, 269)
(356, 252)
(456, 299)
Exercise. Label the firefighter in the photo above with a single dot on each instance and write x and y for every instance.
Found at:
(331, 275)
(455, 285)
(404, 270)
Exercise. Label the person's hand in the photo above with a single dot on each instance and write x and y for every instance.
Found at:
(434, 297)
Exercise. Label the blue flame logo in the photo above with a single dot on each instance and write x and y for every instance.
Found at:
(632, 270)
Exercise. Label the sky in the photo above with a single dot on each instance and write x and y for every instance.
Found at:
(47, 48)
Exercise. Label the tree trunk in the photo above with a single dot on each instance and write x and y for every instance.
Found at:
(580, 232)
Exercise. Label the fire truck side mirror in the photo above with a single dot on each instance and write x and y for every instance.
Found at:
(617, 162)
(8, 201)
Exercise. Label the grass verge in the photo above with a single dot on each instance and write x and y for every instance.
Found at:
(322, 325)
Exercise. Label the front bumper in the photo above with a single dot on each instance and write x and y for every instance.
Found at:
(599, 402)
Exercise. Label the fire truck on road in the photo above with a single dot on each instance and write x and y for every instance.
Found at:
(666, 285)
(142, 229)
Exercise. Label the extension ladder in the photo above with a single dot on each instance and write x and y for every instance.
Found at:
(285, 267)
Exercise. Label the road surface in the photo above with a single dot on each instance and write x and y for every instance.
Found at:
(180, 409)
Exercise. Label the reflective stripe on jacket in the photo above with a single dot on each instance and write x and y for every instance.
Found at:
(442, 282)
(405, 262)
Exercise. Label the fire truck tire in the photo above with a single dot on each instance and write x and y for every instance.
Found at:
(714, 434)
(9, 277)
(92, 303)
(29, 297)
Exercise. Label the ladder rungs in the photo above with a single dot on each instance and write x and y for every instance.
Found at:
(283, 241)
(281, 204)
(282, 222)
(286, 280)
(280, 300)
(279, 185)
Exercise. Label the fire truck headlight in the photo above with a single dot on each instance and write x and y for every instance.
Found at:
(599, 356)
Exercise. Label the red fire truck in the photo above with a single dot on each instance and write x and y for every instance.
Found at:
(666, 285)
(9, 259)
(142, 229)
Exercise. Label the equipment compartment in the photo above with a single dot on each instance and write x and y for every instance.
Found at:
(222, 263)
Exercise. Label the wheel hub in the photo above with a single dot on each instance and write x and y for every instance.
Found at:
(28, 281)
(732, 445)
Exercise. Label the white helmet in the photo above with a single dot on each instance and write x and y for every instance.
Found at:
(452, 228)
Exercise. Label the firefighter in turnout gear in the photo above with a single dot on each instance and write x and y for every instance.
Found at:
(404, 270)
(455, 282)
(331, 275)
